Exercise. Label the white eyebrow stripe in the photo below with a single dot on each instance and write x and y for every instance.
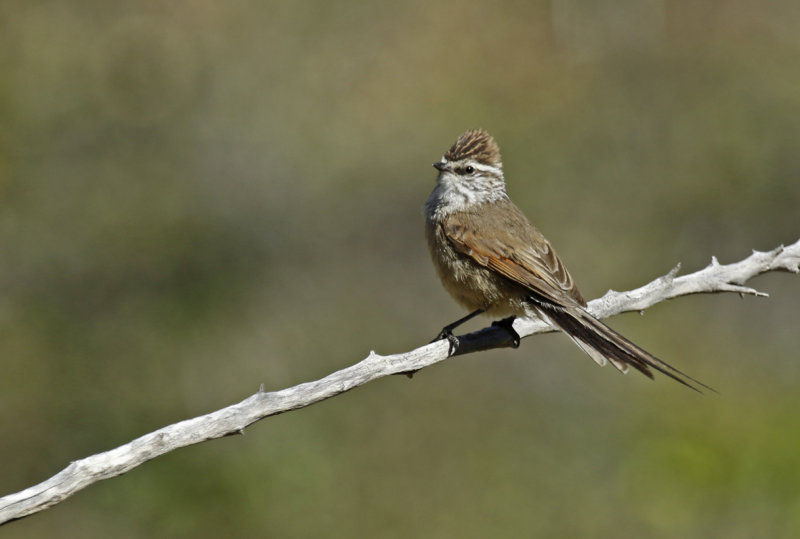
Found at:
(487, 168)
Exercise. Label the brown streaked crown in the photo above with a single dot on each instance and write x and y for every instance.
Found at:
(475, 144)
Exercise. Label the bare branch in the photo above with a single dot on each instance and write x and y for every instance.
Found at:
(235, 418)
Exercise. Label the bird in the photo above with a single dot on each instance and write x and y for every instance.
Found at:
(493, 261)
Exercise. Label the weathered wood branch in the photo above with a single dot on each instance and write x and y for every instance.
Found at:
(233, 419)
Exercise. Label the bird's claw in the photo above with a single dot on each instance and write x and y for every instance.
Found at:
(451, 339)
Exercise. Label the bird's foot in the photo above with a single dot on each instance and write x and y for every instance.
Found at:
(508, 325)
(447, 333)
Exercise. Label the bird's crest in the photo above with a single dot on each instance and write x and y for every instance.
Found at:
(475, 144)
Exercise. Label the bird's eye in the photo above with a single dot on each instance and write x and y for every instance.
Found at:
(469, 170)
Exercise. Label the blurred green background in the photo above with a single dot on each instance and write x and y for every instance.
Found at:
(200, 197)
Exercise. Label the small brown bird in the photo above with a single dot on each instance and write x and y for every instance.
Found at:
(493, 261)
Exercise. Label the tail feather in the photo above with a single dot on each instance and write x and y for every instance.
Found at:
(601, 342)
(598, 357)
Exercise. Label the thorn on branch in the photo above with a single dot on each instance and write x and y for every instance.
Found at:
(742, 290)
(673, 272)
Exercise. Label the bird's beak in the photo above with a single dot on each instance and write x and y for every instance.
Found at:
(440, 166)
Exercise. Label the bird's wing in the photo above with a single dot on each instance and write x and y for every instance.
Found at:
(534, 266)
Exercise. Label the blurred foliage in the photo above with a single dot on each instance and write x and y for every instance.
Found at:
(197, 198)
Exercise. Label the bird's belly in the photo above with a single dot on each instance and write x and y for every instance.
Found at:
(476, 287)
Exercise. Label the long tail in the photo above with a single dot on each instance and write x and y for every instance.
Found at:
(602, 343)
